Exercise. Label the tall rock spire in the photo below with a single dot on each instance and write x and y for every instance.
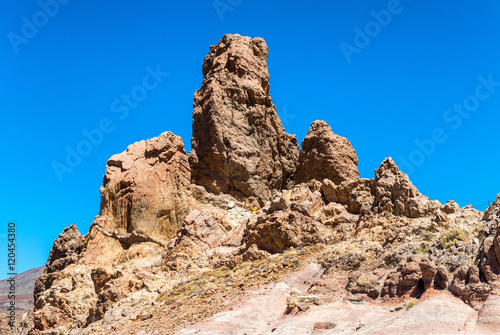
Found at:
(239, 145)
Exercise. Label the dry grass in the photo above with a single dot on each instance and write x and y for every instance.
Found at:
(451, 237)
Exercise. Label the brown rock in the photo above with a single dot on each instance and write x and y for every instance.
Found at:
(199, 233)
(441, 278)
(47, 317)
(490, 250)
(395, 193)
(391, 191)
(65, 251)
(428, 269)
(357, 195)
(413, 275)
(324, 325)
(284, 229)
(325, 155)
(239, 146)
(146, 188)
(364, 283)
(450, 207)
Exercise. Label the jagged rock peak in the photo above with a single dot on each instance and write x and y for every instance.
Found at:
(65, 249)
(324, 154)
(394, 191)
(239, 146)
(493, 210)
(238, 57)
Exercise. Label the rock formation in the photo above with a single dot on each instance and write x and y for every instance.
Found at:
(239, 146)
(145, 197)
(325, 155)
(174, 250)
(145, 189)
(391, 191)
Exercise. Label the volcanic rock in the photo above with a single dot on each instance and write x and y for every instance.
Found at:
(239, 145)
(391, 191)
(490, 249)
(325, 155)
(146, 188)
(65, 251)
(283, 229)
(244, 243)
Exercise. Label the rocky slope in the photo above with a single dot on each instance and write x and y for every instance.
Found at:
(247, 235)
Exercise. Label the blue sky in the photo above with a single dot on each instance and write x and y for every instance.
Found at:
(415, 80)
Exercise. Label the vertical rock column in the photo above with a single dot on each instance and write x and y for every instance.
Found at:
(239, 145)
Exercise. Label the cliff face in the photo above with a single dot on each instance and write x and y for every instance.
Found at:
(175, 249)
(145, 189)
(239, 146)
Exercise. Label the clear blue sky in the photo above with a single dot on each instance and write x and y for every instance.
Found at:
(67, 72)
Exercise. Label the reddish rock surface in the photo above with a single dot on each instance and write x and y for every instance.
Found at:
(146, 188)
(332, 254)
(239, 146)
(391, 191)
(325, 155)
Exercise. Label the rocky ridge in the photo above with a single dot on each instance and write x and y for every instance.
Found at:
(247, 234)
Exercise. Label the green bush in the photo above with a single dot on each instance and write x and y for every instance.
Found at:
(411, 304)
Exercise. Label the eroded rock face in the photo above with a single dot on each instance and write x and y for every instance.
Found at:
(146, 188)
(395, 193)
(391, 191)
(325, 155)
(490, 251)
(284, 229)
(64, 252)
(200, 233)
(239, 146)
(58, 287)
(145, 197)
(164, 253)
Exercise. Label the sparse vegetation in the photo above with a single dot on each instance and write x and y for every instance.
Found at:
(451, 237)
(242, 276)
(423, 248)
(411, 304)
(427, 236)
(477, 229)
(65, 331)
